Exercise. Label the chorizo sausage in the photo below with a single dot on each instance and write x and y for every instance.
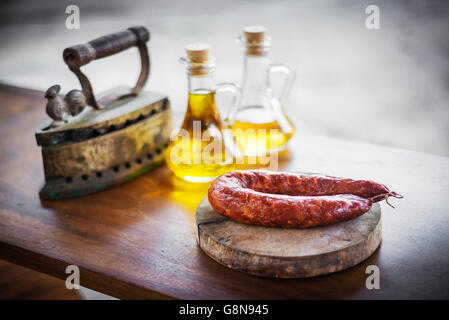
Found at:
(290, 200)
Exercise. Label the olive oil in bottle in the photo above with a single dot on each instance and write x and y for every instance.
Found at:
(260, 138)
(260, 124)
(201, 149)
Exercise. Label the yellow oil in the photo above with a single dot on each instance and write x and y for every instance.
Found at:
(260, 138)
(191, 156)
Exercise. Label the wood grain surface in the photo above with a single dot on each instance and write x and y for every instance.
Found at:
(287, 253)
(19, 283)
(138, 240)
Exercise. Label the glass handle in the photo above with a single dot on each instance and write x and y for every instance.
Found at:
(288, 81)
(229, 109)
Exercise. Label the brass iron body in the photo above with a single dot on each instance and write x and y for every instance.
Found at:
(118, 137)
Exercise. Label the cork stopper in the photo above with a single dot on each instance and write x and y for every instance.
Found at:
(199, 60)
(255, 34)
(198, 52)
(255, 40)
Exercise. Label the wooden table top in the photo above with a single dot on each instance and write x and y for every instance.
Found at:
(138, 240)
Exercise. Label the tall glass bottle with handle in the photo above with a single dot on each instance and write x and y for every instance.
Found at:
(259, 122)
(202, 148)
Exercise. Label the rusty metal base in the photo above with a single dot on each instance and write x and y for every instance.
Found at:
(58, 189)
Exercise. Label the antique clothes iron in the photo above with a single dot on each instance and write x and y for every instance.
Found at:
(116, 138)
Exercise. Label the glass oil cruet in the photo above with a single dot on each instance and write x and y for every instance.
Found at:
(203, 148)
(259, 123)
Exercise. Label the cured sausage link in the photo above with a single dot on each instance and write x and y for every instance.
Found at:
(287, 200)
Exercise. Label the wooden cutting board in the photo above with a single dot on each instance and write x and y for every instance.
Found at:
(287, 253)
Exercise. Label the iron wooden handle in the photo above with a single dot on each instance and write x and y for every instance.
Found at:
(80, 55)
(105, 46)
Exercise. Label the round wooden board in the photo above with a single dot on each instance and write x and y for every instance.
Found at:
(287, 253)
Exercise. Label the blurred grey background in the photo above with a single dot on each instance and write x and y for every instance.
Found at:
(387, 86)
